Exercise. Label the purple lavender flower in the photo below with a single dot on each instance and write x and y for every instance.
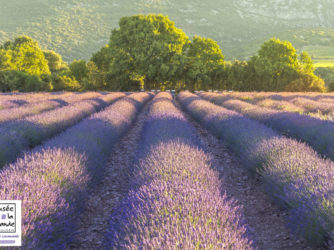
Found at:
(19, 135)
(295, 176)
(52, 180)
(175, 199)
(319, 134)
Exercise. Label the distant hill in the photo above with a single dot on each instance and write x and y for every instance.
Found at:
(78, 28)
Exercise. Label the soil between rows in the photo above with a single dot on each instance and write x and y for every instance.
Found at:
(94, 221)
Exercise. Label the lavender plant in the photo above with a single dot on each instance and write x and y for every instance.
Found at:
(175, 200)
(325, 108)
(318, 133)
(19, 135)
(15, 100)
(42, 106)
(53, 180)
(294, 175)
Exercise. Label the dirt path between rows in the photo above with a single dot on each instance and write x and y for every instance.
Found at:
(267, 221)
(93, 222)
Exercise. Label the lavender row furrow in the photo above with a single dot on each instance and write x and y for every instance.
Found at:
(294, 175)
(53, 180)
(175, 200)
(42, 106)
(19, 135)
(318, 133)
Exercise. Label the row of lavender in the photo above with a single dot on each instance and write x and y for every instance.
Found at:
(14, 100)
(42, 106)
(301, 103)
(175, 200)
(287, 96)
(316, 132)
(294, 175)
(52, 180)
(19, 135)
(323, 106)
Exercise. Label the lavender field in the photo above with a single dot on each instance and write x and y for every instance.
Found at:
(145, 170)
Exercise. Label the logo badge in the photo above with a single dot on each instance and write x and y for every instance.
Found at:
(10, 223)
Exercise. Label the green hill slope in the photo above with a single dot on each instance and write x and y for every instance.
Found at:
(77, 28)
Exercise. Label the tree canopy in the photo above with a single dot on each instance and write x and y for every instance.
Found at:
(275, 68)
(204, 63)
(147, 47)
(148, 51)
(26, 56)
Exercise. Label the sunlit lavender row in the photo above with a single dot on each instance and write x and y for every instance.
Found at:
(320, 105)
(42, 106)
(19, 135)
(317, 133)
(279, 96)
(325, 108)
(14, 100)
(175, 201)
(294, 175)
(52, 180)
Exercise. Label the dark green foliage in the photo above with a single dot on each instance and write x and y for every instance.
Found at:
(79, 69)
(55, 61)
(14, 80)
(103, 58)
(276, 65)
(147, 48)
(275, 68)
(205, 64)
(241, 76)
(306, 82)
(64, 82)
(331, 86)
(149, 51)
(327, 73)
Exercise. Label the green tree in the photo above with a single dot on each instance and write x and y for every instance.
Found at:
(276, 65)
(204, 63)
(236, 76)
(331, 87)
(147, 47)
(327, 73)
(306, 63)
(64, 82)
(103, 58)
(5, 59)
(55, 61)
(306, 83)
(27, 56)
(35, 83)
(94, 79)
(79, 69)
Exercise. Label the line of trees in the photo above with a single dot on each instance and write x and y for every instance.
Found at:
(148, 51)
(277, 67)
(25, 67)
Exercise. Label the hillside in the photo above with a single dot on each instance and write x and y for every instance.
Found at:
(76, 29)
